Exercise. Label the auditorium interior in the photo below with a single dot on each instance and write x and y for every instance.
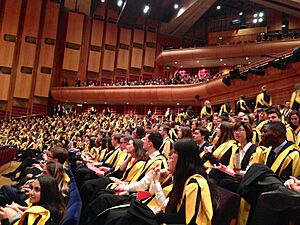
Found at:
(144, 63)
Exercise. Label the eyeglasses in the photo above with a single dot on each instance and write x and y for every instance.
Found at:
(240, 130)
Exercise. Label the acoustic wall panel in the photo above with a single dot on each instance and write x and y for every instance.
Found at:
(138, 36)
(125, 36)
(94, 61)
(97, 32)
(137, 58)
(111, 34)
(123, 59)
(108, 60)
(149, 57)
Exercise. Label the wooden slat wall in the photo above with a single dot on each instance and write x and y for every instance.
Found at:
(137, 58)
(274, 20)
(149, 57)
(83, 6)
(27, 51)
(294, 22)
(108, 60)
(74, 36)
(43, 80)
(96, 41)
(10, 25)
(70, 5)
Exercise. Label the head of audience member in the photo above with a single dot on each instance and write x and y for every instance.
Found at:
(57, 171)
(224, 133)
(294, 119)
(135, 149)
(45, 193)
(248, 119)
(124, 141)
(115, 140)
(241, 114)
(207, 104)
(138, 132)
(164, 130)
(242, 97)
(242, 133)
(273, 114)
(184, 132)
(262, 115)
(215, 121)
(273, 134)
(204, 121)
(287, 105)
(152, 142)
(57, 154)
(195, 124)
(200, 135)
(234, 119)
(183, 162)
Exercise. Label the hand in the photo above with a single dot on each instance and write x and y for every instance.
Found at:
(293, 184)
(120, 188)
(97, 163)
(156, 176)
(115, 180)
(100, 173)
(208, 149)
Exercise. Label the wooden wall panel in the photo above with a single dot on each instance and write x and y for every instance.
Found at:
(71, 59)
(51, 20)
(123, 59)
(94, 61)
(294, 22)
(108, 60)
(7, 58)
(22, 85)
(32, 18)
(151, 37)
(11, 17)
(137, 58)
(84, 6)
(97, 32)
(100, 11)
(75, 28)
(27, 55)
(46, 57)
(111, 34)
(274, 19)
(43, 83)
(4, 86)
(125, 36)
(138, 36)
(70, 5)
(149, 57)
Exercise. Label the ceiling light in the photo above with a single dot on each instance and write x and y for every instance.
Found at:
(218, 7)
(177, 103)
(224, 64)
(120, 3)
(247, 58)
(181, 66)
(260, 20)
(102, 1)
(146, 9)
(202, 65)
(197, 61)
(249, 62)
(176, 6)
(255, 21)
(283, 26)
(221, 60)
(261, 14)
(241, 13)
(255, 15)
(175, 62)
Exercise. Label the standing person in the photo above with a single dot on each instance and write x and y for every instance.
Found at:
(206, 109)
(188, 201)
(47, 206)
(166, 146)
(295, 98)
(241, 105)
(263, 100)
(225, 109)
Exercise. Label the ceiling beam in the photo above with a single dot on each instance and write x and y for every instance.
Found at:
(188, 15)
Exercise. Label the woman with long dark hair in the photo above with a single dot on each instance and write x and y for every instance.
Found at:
(46, 205)
(294, 122)
(223, 149)
(187, 200)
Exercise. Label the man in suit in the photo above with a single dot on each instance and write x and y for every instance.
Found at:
(200, 136)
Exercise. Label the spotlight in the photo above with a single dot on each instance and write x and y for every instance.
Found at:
(176, 6)
(257, 71)
(218, 7)
(227, 80)
(146, 9)
(234, 73)
(277, 64)
(120, 3)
